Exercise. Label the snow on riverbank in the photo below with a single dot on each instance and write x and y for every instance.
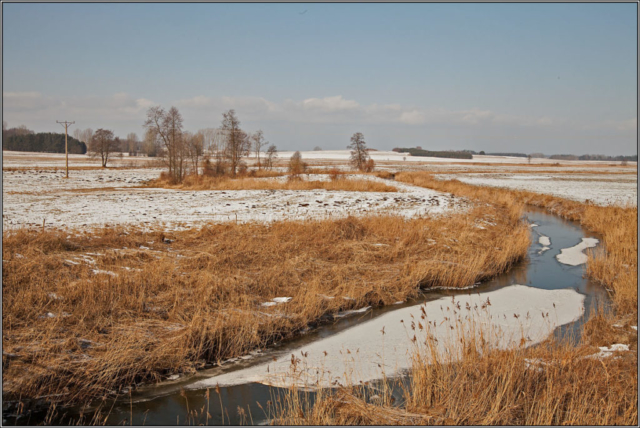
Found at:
(363, 352)
(574, 256)
(29, 197)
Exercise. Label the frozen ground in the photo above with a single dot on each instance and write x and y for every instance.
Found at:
(602, 189)
(385, 344)
(12, 159)
(97, 197)
(384, 158)
(43, 181)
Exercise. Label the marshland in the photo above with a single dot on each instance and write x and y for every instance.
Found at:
(432, 248)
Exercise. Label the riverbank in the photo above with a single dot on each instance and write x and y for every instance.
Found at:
(90, 314)
(593, 382)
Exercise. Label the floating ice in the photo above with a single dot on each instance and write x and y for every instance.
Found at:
(574, 256)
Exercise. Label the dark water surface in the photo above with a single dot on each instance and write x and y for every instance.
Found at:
(165, 404)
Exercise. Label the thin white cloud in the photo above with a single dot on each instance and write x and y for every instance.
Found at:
(623, 125)
(26, 101)
(330, 104)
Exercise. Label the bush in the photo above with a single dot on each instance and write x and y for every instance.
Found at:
(296, 166)
(335, 174)
(369, 165)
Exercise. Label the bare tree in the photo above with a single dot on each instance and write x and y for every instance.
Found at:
(296, 166)
(258, 142)
(102, 145)
(133, 144)
(167, 127)
(84, 135)
(209, 141)
(359, 154)
(151, 145)
(195, 147)
(317, 149)
(237, 141)
(272, 155)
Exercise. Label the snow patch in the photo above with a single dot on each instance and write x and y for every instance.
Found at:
(606, 352)
(276, 301)
(544, 240)
(105, 272)
(574, 256)
(352, 312)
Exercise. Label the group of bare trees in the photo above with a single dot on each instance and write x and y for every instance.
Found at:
(103, 144)
(186, 153)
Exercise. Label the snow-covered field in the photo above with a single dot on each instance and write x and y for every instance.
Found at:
(34, 192)
(98, 197)
(602, 189)
(390, 156)
(12, 159)
(30, 159)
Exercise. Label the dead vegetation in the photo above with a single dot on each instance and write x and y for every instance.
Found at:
(555, 383)
(257, 181)
(87, 314)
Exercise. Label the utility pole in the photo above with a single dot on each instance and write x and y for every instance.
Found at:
(66, 150)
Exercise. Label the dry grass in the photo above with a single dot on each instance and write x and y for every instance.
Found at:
(614, 264)
(551, 384)
(145, 313)
(250, 183)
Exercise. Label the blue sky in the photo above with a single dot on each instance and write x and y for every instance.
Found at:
(556, 78)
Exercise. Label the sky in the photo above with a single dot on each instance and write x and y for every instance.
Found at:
(550, 78)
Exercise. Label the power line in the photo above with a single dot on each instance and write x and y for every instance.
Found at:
(66, 150)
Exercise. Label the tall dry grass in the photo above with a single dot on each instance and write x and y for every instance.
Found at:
(614, 264)
(88, 313)
(556, 383)
(252, 183)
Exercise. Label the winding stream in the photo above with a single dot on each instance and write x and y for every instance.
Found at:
(164, 403)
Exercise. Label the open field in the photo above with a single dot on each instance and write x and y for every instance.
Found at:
(98, 197)
(601, 189)
(186, 277)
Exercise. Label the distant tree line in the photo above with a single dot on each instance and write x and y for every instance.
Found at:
(468, 154)
(452, 154)
(47, 142)
(632, 158)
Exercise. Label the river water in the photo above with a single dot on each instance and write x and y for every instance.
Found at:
(166, 403)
